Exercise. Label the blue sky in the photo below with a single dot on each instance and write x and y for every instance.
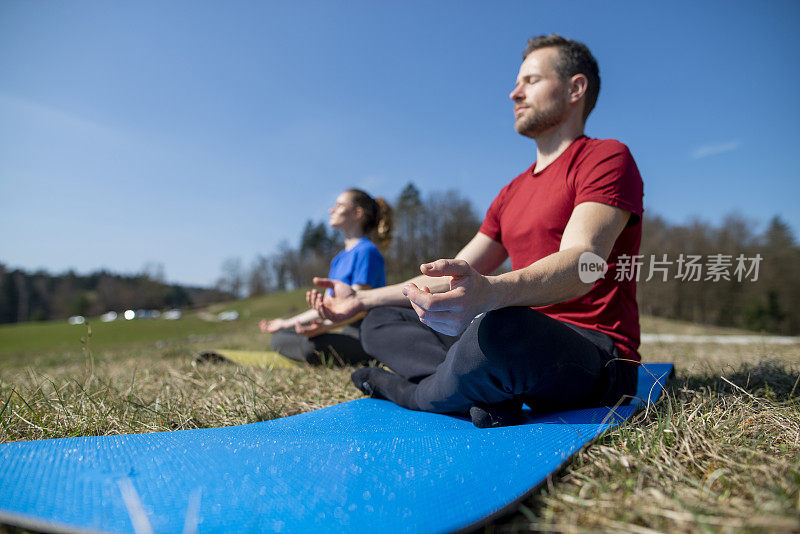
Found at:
(184, 133)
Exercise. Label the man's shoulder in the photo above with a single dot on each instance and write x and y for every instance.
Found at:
(603, 146)
(594, 151)
(604, 154)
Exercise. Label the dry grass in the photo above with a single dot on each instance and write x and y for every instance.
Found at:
(717, 454)
(131, 395)
(720, 453)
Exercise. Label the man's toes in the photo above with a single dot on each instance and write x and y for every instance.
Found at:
(361, 379)
(496, 415)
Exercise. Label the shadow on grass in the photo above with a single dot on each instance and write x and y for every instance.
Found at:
(691, 415)
(772, 380)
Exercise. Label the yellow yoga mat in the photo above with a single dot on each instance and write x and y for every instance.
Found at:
(256, 358)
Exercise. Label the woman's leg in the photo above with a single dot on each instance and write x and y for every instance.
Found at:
(292, 345)
(344, 347)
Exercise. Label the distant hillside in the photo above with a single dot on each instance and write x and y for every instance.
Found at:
(42, 296)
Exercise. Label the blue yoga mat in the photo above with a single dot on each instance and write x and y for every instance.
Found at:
(364, 464)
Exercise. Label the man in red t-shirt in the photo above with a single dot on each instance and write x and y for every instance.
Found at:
(543, 333)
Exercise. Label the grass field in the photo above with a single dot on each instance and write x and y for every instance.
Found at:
(719, 453)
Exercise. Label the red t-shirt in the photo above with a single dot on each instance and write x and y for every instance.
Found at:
(529, 216)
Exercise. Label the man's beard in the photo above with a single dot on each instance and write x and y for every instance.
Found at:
(536, 121)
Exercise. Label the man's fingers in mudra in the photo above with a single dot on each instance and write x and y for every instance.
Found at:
(416, 296)
(451, 301)
(437, 319)
(444, 327)
(446, 267)
(420, 297)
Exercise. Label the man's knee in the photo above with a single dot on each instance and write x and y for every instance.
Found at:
(498, 346)
(479, 364)
(484, 345)
(508, 335)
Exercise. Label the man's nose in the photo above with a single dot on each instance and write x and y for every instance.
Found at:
(515, 94)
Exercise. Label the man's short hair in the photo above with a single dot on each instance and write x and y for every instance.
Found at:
(573, 58)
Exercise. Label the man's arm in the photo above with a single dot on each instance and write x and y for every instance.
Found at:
(593, 227)
(482, 252)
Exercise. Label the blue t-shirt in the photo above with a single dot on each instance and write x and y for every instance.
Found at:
(363, 264)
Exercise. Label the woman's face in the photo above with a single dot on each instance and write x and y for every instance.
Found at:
(344, 213)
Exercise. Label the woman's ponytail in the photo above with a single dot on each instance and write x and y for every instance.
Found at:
(385, 224)
(377, 217)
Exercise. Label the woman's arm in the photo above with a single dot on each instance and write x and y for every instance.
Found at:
(270, 327)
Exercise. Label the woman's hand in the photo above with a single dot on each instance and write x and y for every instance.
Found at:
(314, 328)
(339, 306)
(270, 327)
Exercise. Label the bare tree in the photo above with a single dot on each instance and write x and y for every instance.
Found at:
(260, 280)
(232, 279)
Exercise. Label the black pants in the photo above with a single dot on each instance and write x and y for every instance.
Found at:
(343, 348)
(509, 353)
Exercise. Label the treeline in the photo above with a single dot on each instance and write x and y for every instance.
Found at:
(43, 296)
(762, 289)
(726, 275)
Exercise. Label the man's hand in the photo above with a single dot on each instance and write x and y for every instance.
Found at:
(340, 306)
(451, 312)
(270, 327)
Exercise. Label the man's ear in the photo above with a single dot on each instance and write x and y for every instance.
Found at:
(578, 85)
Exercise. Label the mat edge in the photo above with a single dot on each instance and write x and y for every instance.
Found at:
(509, 508)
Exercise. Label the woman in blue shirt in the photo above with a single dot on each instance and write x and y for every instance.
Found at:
(305, 336)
